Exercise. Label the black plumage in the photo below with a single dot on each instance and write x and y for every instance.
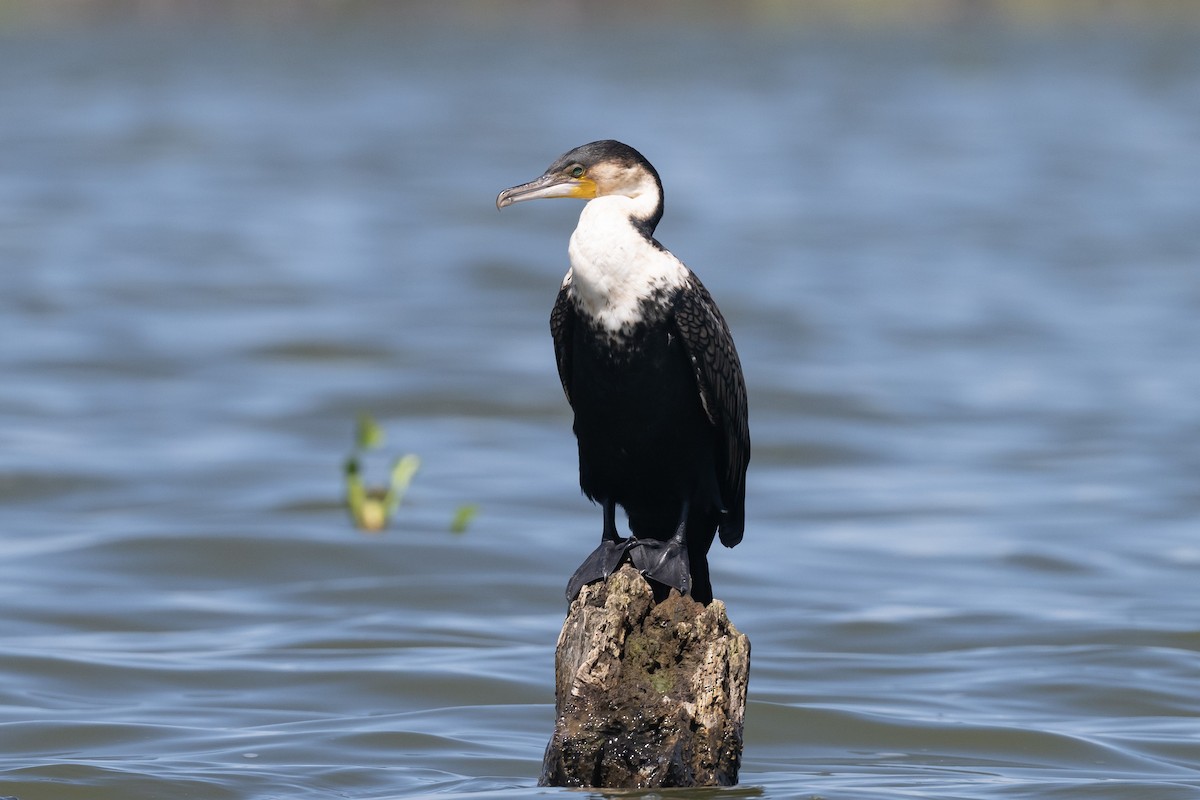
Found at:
(649, 367)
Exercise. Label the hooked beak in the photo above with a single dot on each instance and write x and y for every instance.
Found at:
(549, 185)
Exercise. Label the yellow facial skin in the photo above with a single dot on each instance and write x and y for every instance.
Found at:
(553, 184)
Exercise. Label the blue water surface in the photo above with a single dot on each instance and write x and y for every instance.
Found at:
(961, 265)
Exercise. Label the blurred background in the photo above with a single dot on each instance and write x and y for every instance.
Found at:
(957, 245)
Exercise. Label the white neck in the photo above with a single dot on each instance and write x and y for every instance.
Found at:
(614, 267)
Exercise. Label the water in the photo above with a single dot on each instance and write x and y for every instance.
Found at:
(960, 262)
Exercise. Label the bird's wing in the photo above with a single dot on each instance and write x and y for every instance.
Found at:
(723, 393)
(562, 326)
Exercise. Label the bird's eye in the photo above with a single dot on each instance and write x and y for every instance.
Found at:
(577, 171)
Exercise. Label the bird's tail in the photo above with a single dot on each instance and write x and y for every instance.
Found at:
(732, 526)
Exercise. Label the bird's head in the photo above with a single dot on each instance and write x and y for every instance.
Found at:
(599, 169)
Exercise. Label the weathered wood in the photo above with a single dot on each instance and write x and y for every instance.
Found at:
(647, 695)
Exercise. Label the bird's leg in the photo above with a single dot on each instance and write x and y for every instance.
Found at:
(666, 562)
(605, 559)
(610, 523)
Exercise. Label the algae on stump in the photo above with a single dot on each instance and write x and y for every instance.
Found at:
(647, 695)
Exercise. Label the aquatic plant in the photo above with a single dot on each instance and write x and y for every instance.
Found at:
(463, 516)
(372, 506)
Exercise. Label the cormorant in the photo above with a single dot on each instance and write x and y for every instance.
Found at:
(649, 368)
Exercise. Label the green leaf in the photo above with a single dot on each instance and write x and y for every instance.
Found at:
(403, 471)
(368, 435)
(463, 517)
(356, 492)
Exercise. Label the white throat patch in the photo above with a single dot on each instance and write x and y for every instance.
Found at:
(614, 269)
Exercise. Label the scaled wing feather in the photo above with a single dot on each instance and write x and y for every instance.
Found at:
(562, 326)
(723, 393)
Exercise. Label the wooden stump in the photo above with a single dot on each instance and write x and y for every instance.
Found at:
(647, 695)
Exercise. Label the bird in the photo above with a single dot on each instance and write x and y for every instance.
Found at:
(650, 370)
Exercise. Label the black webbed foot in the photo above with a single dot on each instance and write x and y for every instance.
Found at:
(664, 562)
(602, 562)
